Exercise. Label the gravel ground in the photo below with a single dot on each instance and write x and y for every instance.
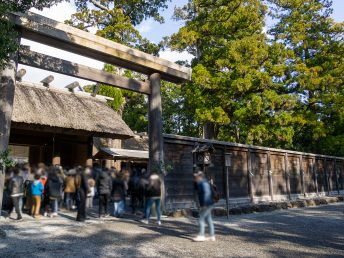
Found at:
(308, 232)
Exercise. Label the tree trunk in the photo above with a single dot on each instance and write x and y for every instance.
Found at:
(7, 87)
(209, 131)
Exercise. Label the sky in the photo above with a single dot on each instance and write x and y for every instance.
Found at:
(150, 29)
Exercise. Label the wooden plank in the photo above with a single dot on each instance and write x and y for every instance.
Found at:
(53, 64)
(287, 174)
(302, 175)
(250, 175)
(49, 32)
(270, 176)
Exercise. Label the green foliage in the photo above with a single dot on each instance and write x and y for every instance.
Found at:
(178, 113)
(116, 20)
(5, 160)
(315, 70)
(8, 41)
(236, 72)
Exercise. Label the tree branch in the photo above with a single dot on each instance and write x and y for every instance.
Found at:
(100, 6)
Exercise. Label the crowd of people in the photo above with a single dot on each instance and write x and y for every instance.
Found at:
(42, 191)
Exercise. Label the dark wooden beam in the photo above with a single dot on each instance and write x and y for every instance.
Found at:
(53, 64)
(49, 32)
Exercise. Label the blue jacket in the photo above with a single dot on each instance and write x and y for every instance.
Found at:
(37, 188)
(205, 195)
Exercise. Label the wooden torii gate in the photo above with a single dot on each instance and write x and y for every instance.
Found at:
(55, 34)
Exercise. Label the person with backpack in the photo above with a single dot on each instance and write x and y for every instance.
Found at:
(153, 195)
(206, 201)
(104, 187)
(54, 190)
(16, 189)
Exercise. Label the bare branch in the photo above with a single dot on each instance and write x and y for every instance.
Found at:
(100, 6)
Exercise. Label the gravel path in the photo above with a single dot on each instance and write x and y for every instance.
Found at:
(309, 232)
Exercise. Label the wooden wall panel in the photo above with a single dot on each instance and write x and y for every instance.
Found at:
(321, 179)
(260, 173)
(238, 174)
(278, 174)
(340, 171)
(309, 185)
(295, 175)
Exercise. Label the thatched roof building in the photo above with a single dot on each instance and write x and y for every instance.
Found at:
(54, 109)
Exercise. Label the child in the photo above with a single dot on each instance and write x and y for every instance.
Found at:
(36, 193)
(90, 195)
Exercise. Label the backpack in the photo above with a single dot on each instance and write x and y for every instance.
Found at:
(214, 192)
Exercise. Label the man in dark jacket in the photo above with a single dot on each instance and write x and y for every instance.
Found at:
(104, 188)
(16, 189)
(153, 195)
(54, 190)
(82, 189)
(205, 198)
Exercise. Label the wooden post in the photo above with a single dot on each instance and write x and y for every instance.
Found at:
(302, 175)
(56, 161)
(270, 176)
(89, 160)
(156, 155)
(156, 140)
(315, 175)
(287, 174)
(7, 88)
(327, 183)
(337, 176)
(250, 175)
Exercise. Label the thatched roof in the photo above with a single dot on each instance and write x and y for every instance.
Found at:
(121, 154)
(138, 142)
(55, 108)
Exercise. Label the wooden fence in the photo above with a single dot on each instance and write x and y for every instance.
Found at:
(256, 173)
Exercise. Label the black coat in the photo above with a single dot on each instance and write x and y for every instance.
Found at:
(118, 190)
(154, 187)
(104, 183)
(54, 186)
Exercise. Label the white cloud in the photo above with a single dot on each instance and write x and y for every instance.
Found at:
(174, 56)
(59, 12)
(145, 27)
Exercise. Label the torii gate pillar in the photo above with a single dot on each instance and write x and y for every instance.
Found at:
(156, 144)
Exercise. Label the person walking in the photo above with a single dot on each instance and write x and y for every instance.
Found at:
(36, 195)
(16, 189)
(206, 202)
(104, 188)
(118, 194)
(54, 191)
(81, 190)
(153, 195)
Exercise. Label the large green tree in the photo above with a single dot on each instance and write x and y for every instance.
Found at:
(117, 21)
(236, 74)
(8, 42)
(315, 70)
